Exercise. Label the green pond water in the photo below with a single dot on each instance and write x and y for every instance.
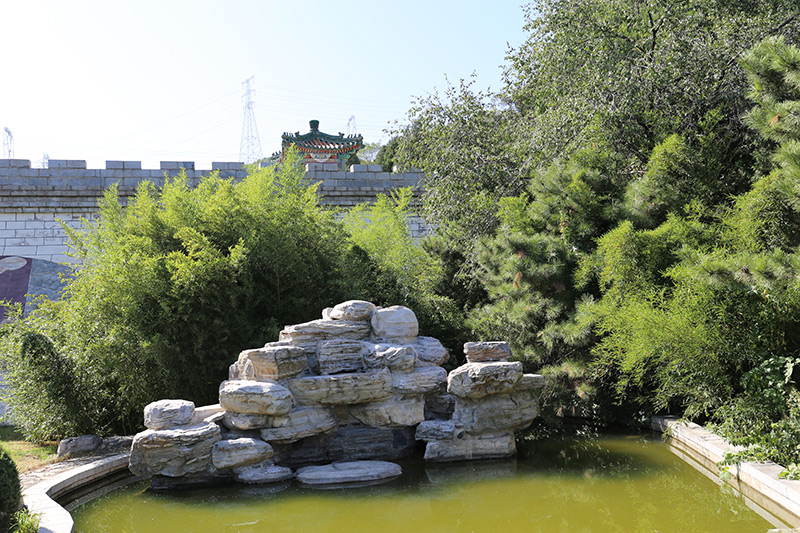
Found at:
(620, 484)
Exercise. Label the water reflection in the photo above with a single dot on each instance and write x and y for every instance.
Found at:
(608, 484)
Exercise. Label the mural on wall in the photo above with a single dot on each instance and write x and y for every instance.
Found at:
(23, 279)
(15, 273)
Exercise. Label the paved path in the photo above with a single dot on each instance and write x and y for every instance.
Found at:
(111, 446)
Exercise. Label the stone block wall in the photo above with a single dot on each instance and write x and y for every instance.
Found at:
(34, 202)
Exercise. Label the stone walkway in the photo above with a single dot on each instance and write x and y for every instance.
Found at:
(111, 446)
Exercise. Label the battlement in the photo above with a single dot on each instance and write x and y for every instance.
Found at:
(35, 202)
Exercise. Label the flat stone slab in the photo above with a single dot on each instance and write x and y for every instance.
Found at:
(487, 351)
(348, 472)
(263, 474)
(341, 389)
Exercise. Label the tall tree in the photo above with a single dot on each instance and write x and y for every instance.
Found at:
(621, 75)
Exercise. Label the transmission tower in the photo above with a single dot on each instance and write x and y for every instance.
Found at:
(8, 144)
(351, 126)
(250, 149)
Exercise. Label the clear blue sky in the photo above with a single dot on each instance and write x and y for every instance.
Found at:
(155, 80)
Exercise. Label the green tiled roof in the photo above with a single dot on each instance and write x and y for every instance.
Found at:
(316, 141)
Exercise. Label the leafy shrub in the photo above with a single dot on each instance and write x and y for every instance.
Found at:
(10, 496)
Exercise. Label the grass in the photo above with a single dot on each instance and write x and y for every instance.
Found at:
(27, 455)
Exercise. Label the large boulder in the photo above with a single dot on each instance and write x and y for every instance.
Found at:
(400, 358)
(439, 430)
(439, 406)
(173, 452)
(256, 397)
(348, 442)
(529, 382)
(353, 310)
(421, 381)
(168, 413)
(496, 413)
(476, 380)
(396, 324)
(236, 453)
(272, 362)
(341, 389)
(430, 351)
(83, 444)
(299, 424)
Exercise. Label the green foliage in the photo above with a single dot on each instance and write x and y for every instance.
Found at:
(792, 471)
(772, 68)
(701, 316)
(687, 328)
(48, 395)
(614, 76)
(382, 230)
(766, 217)
(401, 270)
(24, 521)
(463, 141)
(10, 495)
(771, 441)
(170, 289)
(631, 74)
(387, 155)
(645, 238)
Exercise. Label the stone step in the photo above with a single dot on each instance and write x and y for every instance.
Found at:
(348, 473)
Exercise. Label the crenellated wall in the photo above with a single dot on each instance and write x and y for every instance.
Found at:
(35, 201)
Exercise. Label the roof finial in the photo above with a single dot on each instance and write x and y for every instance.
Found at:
(314, 125)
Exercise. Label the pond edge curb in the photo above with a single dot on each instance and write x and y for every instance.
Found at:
(755, 478)
(41, 498)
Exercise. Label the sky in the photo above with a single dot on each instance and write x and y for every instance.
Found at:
(163, 80)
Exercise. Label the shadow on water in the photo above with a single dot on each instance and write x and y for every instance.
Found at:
(611, 483)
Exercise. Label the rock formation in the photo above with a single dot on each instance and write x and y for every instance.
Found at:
(358, 384)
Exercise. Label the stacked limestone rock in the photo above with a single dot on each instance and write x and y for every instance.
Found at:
(353, 385)
(491, 399)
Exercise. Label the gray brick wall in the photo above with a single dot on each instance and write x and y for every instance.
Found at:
(36, 203)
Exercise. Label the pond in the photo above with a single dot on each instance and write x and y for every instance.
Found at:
(613, 483)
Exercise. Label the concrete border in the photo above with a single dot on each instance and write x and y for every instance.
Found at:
(758, 482)
(41, 498)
